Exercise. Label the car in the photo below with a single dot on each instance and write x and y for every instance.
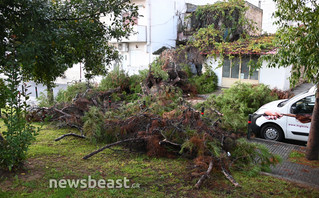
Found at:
(285, 127)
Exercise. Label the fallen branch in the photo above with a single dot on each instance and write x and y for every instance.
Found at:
(69, 134)
(66, 114)
(206, 175)
(165, 141)
(229, 177)
(110, 145)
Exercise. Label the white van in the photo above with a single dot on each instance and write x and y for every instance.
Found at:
(284, 127)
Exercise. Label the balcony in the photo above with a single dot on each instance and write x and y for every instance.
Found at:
(139, 35)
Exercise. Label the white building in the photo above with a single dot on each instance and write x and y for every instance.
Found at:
(157, 27)
(273, 77)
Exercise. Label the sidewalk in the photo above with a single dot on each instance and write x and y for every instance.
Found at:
(299, 173)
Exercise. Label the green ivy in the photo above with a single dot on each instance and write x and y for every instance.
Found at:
(222, 29)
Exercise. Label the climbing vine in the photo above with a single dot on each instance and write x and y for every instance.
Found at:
(223, 29)
(228, 17)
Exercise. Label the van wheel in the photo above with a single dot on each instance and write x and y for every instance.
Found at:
(272, 132)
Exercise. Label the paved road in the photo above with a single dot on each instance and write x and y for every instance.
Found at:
(288, 170)
(41, 88)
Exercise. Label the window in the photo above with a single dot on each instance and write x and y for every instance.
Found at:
(240, 68)
(226, 68)
(304, 105)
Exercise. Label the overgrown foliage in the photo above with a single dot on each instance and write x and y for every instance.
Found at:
(157, 70)
(222, 29)
(19, 133)
(114, 79)
(71, 92)
(130, 85)
(205, 83)
(237, 102)
(282, 94)
(227, 17)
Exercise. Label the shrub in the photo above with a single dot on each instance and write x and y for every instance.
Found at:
(282, 94)
(130, 85)
(19, 133)
(205, 83)
(237, 102)
(43, 100)
(157, 71)
(114, 79)
(71, 91)
(3, 94)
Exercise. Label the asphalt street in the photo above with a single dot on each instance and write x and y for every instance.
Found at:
(32, 86)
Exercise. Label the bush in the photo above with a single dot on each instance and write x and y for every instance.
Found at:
(282, 94)
(43, 100)
(130, 85)
(71, 91)
(19, 133)
(237, 102)
(114, 79)
(3, 94)
(63, 96)
(157, 71)
(205, 83)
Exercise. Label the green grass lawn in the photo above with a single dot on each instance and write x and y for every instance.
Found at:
(150, 177)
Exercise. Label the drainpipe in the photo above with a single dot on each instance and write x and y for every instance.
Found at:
(149, 40)
(80, 72)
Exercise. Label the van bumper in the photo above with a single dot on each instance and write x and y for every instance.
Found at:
(252, 126)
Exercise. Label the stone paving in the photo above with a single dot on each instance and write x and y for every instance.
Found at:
(295, 172)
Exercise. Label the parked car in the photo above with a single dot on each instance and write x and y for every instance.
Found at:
(285, 127)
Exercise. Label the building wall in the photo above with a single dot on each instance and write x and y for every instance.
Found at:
(273, 77)
(256, 14)
(268, 7)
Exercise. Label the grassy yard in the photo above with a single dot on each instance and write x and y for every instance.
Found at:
(148, 177)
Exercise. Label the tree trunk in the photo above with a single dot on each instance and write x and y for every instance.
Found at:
(313, 141)
(50, 94)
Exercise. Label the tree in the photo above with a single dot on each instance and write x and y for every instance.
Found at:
(51, 36)
(297, 42)
(39, 40)
(3, 94)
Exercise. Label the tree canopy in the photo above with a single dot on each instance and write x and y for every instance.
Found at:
(48, 37)
(297, 38)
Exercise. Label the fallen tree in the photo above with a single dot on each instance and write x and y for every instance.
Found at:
(161, 126)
